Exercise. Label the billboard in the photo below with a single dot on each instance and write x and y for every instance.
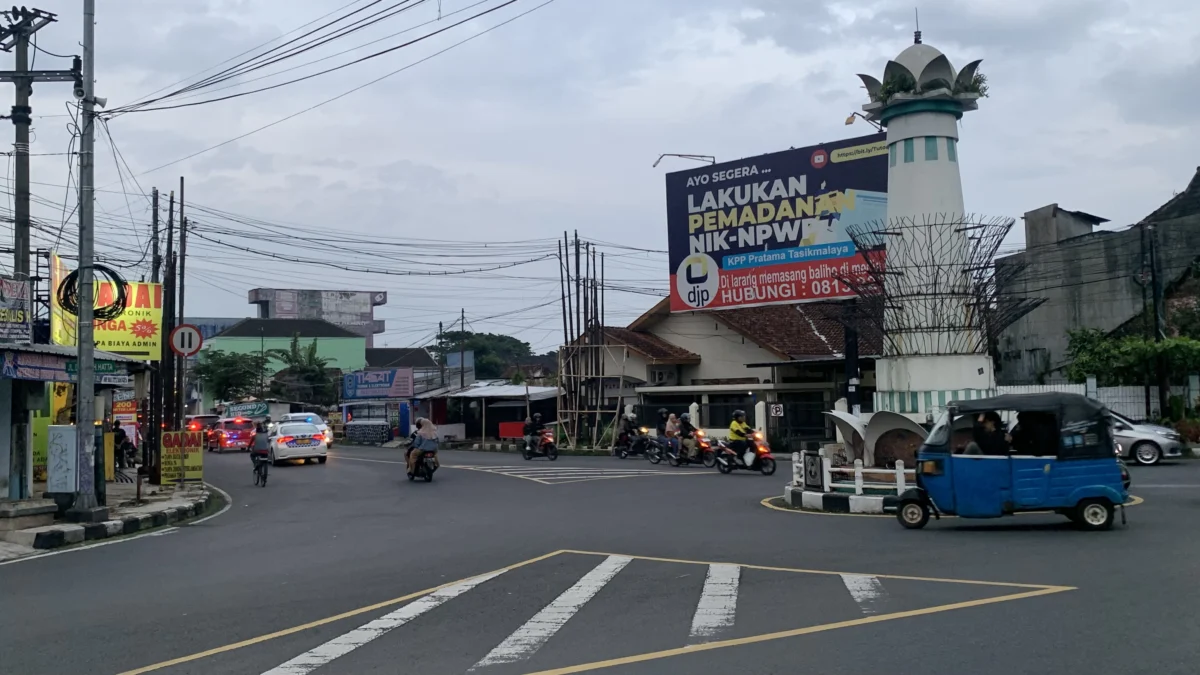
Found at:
(772, 229)
(352, 310)
(14, 311)
(367, 384)
(137, 333)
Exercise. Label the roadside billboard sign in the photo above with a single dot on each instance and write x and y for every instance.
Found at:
(14, 311)
(772, 229)
(182, 456)
(367, 384)
(137, 333)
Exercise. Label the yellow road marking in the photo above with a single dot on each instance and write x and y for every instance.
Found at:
(320, 622)
(693, 649)
(824, 572)
(1134, 500)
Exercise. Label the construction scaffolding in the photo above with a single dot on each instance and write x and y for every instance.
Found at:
(585, 362)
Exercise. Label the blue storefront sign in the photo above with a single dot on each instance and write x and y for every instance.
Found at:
(367, 384)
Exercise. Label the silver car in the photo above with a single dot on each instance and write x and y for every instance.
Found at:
(1145, 444)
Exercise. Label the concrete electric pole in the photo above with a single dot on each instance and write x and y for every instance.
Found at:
(86, 507)
(22, 24)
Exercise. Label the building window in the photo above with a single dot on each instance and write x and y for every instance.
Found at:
(892, 153)
(908, 150)
(931, 148)
(952, 149)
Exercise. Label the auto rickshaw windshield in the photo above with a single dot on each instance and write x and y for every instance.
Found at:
(940, 435)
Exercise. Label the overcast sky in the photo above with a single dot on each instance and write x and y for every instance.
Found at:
(552, 122)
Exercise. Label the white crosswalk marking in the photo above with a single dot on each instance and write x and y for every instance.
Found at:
(344, 644)
(867, 591)
(718, 602)
(526, 640)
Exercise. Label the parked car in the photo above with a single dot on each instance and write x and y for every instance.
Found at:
(231, 433)
(1145, 444)
(297, 440)
(309, 418)
(200, 422)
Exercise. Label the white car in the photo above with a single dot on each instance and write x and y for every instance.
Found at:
(311, 418)
(297, 440)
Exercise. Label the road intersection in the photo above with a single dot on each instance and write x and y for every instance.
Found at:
(498, 567)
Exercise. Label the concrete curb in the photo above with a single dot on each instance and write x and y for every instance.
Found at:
(54, 536)
(834, 502)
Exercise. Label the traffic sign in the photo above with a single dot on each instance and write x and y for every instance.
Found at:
(776, 410)
(186, 340)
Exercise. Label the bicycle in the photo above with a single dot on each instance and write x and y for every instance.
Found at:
(260, 471)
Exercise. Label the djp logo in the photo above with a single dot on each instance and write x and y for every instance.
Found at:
(697, 280)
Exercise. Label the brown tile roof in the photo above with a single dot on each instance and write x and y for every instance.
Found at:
(653, 347)
(797, 331)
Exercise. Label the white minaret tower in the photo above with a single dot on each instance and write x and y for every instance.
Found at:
(926, 364)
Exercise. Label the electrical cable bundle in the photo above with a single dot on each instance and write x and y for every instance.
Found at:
(68, 294)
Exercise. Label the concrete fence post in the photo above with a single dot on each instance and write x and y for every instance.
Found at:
(826, 465)
(694, 411)
(900, 479)
(1090, 387)
(797, 469)
(858, 477)
(760, 416)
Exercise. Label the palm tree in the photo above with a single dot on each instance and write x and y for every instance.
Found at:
(305, 376)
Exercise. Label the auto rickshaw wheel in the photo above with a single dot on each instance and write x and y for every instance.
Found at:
(913, 515)
(1096, 514)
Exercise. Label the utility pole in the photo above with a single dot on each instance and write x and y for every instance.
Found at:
(155, 255)
(22, 24)
(850, 338)
(86, 507)
(1160, 321)
(462, 350)
(181, 362)
(441, 355)
(166, 364)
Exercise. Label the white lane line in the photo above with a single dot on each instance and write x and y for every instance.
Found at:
(526, 640)
(116, 540)
(866, 590)
(228, 503)
(344, 644)
(718, 603)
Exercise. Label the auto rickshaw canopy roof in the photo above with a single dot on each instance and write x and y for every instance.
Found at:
(1069, 407)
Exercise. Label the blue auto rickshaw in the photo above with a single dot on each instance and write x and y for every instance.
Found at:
(1058, 457)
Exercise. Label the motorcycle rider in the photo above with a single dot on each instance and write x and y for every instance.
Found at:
(739, 433)
(661, 428)
(423, 439)
(687, 435)
(533, 431)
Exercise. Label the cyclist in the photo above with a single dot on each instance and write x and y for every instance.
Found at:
(260, 447)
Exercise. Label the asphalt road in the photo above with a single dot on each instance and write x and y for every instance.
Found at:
(598, 564)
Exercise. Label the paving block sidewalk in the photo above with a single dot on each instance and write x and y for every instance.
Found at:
(160, 506)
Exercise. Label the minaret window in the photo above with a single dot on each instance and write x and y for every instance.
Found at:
(908, 151)
(931, 148)
(952, 149)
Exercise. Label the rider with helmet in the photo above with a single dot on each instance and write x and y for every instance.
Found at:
(687, 434)
(533, 430)
(739, 432)
(661, 428)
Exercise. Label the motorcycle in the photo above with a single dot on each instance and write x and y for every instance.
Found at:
(545, 447)
(426, 463)
(704, 453)
(756, 457)
(642, 444)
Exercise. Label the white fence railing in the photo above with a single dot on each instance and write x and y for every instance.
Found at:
(857, 479)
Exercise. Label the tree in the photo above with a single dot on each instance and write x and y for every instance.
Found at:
(1117, 361)
(306, 377)
(493, 352)
(228, 376)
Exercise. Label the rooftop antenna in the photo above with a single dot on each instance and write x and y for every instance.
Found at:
(917, 32)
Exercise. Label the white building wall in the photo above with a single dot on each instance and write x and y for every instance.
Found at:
(723, 352)
(634, 365)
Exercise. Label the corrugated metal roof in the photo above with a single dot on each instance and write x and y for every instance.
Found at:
(59, 350)
(503, 390)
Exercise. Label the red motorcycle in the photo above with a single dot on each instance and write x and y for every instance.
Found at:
(544, 447)
(756, 456)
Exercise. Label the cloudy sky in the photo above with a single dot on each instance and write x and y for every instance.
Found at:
(552, 122)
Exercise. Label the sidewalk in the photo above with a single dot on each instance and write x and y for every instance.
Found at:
(160, 506)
